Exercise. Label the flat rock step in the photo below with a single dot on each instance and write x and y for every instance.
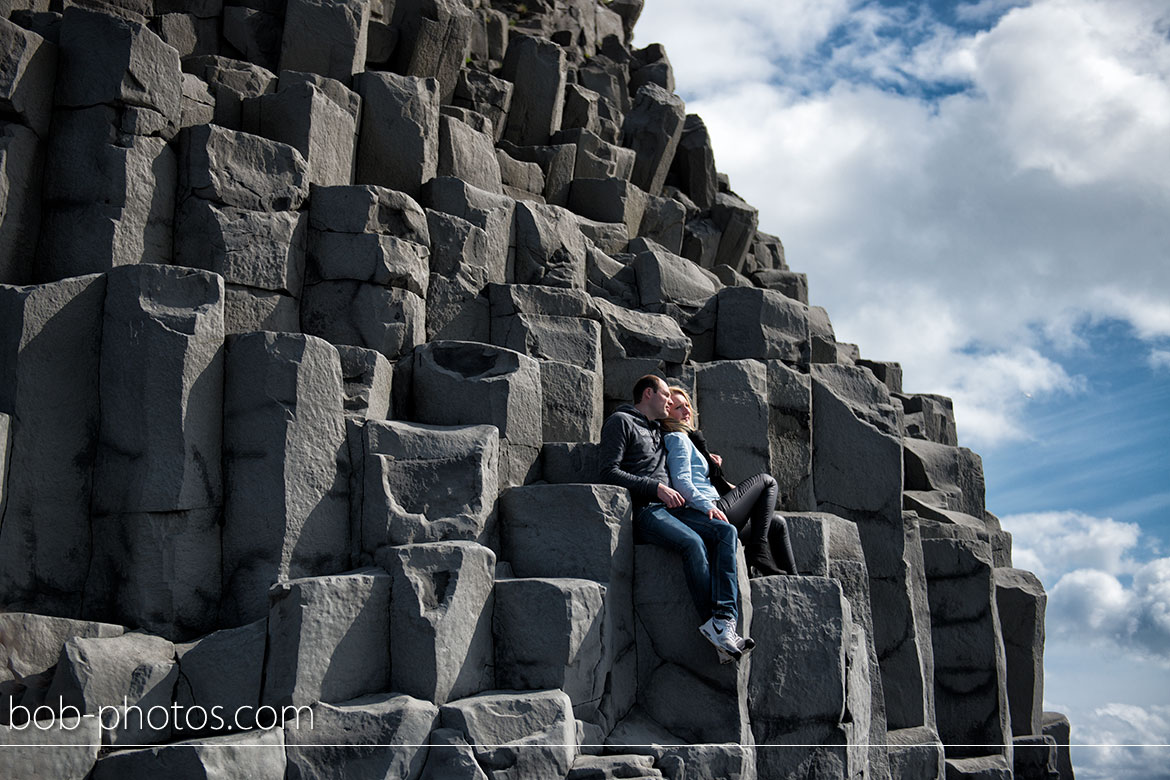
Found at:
(626, 767)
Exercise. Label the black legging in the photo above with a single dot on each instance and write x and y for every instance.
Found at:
(749, 507)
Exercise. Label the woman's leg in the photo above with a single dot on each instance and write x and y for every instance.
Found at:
(749, 508)
(780, 544)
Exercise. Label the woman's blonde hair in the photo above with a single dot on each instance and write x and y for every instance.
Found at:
(671, 425)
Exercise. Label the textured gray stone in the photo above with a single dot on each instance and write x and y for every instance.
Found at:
(464, 259)
(73, 752)
(486, 94)
(328, 638)
(50, 358)
(734, 413)
(254, 33)
(970, 674)
(230, 82)
(737, 221)
(315, 115)
(20, 192)
(1056, 725)
(518, 735)
(953, 474)
(398, 145)
(978, 768)
(468, 155)
(425, 483)
(257, 249)
(246, 309)
(518, 175)
(106, 59)
(693, 167)
(701, 241)
(1034, 758)
(663, 222)
(664, 277)
(574, 340)
(286, 508)
(930, 417)
(27, 75)
(386, 261)
(223, 669)
(573, 401)
(568, 461)
(449, 757)
(326, 37)
(161, 391)
(258, 755)
(550, 249)
(390, 320)
(368, 209)
(1020, 601)
(762, 324)
(107, 676)
(463, 383)
(441, 610)
(548, 633)
(608, 200)
(369, 381)
(536, 67)
(380, 735)
(434, 38)
(652, 129)
(632, 334)
(916, 754)
(241, 170)
(557, 162)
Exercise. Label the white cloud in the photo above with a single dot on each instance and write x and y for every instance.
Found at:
(1128, 743)
(1053, 544)
(1159, 358)
(970, 236)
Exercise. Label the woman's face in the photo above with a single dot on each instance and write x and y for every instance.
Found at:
(680, 409)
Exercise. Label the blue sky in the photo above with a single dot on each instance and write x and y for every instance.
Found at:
(981, 191)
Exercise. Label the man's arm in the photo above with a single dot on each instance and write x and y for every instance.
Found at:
(611, 452)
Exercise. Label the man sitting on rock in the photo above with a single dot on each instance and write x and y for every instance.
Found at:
(632, 456)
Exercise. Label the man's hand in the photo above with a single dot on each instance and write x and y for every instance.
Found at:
(669, 496)
(717, 458)
(715, 514)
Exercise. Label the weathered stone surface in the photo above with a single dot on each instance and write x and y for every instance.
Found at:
(550, 249)
(516, 735)
(387, 261)
(1056, 725)
(50, 359)
(382, 735)
(970, 675)
(241, 170)
(930, 417)
(701, 241)
(286, 507)
(161, 385)
(761, 324)
(790, 436)
(486, 94)
(258, 755)
(256, 249)
(916, 754)
(254, 34)
(536, 67)
(398, 146)
(954, 474)
(326, 37)
(549, 633)
(573, 401)
(20, 192)
(556, 162)
(978, 768)
(27, 76)
(652, 129)
(573, 340)
(732, 400)
(462, 383)
(369, 379)
(108, 676)
(608, 200)
(1021, 601)
(223, 669)
(449, 756)
(425, 483)
(65, 751)
(568, 462)
(230, 82)
(441, 610)
(315, 115)
(664, 277)
(328, 638)
(737, 221)
(468, 155)
(632, 334)
(464, 259)
(31, 644)
(390, 320)
(663, 222)
(434, 38)
(246, 309)
(1034, 758)
(693, 167)
(105, 204)
(106, 59)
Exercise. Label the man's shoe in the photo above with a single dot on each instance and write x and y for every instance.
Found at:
(721, 633)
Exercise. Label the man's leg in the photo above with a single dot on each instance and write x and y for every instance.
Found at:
(720, 538)
(658, 526)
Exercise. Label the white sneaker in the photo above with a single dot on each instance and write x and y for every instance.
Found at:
(721, 633)
(745, 643)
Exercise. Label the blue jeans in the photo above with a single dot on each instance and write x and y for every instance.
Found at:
(690, 533)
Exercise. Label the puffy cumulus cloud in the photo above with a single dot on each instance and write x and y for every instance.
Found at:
(1053, 544)
(1122, 742)
(964, 202)
(1160, 359)
(1096, 607)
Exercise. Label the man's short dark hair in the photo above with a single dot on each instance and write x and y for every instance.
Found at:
(646, 382)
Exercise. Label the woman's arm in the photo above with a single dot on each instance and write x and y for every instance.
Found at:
(678, 463)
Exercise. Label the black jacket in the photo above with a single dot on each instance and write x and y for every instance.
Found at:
(714, 470)
(631, 454)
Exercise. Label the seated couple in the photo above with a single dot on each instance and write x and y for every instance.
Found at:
(650, 446)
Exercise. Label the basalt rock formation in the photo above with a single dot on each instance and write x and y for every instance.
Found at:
(311, 313)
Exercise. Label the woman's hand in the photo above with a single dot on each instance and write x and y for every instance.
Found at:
(717, 458)
(716, 514)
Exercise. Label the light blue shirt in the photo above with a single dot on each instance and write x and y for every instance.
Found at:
(688, 472)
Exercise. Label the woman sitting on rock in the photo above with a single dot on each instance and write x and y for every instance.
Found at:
(698, 476)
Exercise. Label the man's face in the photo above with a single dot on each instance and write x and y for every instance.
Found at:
(658, 401)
